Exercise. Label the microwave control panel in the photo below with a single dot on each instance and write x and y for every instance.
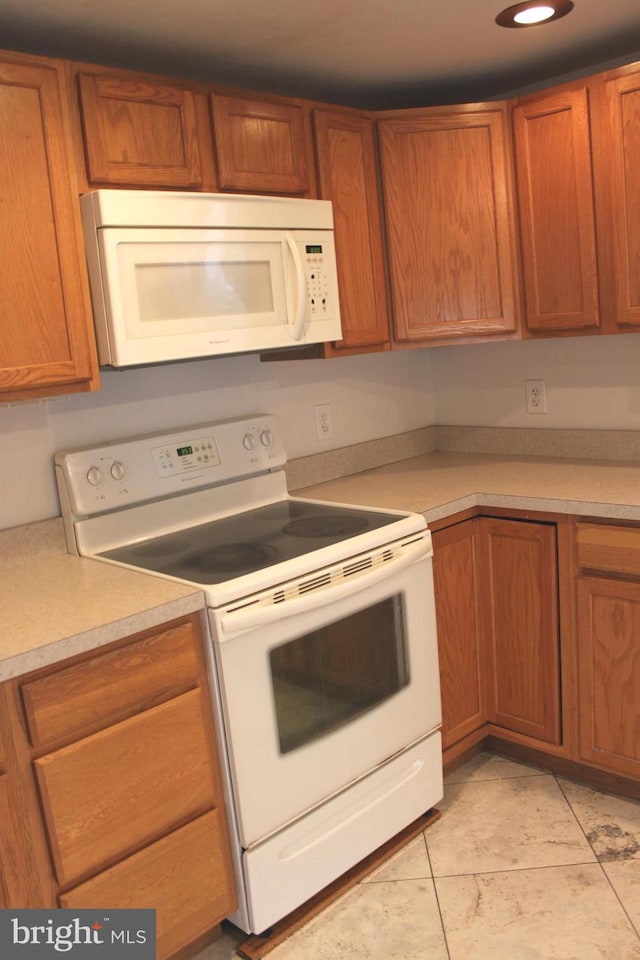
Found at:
(317, 280)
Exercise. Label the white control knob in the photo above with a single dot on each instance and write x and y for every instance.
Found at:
(248, 442)
(118, 470)
(266, 438)
(94, 476)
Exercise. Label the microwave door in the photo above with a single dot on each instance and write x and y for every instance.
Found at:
(175, 294)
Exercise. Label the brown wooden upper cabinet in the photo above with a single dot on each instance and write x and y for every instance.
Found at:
(345, 155)
(616, 151)
(447, 189)
(46, 344)
(555, 196)
(138, 132)
(260, 145)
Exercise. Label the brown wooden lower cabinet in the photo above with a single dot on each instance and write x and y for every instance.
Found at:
(179, 876)
(14, 890)
(608, 615)
(519, 609)
(539, 642)
(122, 788)
(496, 590)
(455, 577)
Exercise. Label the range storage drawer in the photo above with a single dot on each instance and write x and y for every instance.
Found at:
(614, 549)
(117, 790)
(90, 695)
(180, 876)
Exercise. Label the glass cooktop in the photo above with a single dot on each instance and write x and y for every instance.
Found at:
(245, 542)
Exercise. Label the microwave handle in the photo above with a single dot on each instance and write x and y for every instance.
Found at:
(301, 285)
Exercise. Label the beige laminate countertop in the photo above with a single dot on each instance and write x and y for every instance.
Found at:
(442, 484)
(54, 605)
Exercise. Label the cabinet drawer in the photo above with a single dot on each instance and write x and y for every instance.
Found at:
(86, 696)
(609, 548)
(115, 791)
(185, 876)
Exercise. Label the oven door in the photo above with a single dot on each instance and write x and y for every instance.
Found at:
(318, 690)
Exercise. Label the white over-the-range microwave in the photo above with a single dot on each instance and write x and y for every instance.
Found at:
(183, 275)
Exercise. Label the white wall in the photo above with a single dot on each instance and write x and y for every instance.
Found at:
(371, 396)
(591, 382)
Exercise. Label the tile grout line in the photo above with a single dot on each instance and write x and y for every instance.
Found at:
(599, 862)
(435, 891)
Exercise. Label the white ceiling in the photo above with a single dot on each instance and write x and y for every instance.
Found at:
(369, 53)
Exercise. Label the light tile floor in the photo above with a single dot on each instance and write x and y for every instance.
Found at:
(522, 865)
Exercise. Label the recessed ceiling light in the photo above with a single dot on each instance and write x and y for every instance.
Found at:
(531, 13)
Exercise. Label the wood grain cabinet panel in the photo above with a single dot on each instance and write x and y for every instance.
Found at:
(345, 156)
(260, 145)
(458, 623)
(449, 216)
(46, 339)
(86, 696)
(616, 146)
(519, 587)
(609, 670)
(14, 870)
(138, 132)
(608, 548)
(557, 222)
(179, 876)
(117, 790)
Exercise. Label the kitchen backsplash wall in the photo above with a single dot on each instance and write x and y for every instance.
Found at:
(591, 382)
(371, 396)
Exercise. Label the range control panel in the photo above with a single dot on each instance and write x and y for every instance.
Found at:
(95, 479)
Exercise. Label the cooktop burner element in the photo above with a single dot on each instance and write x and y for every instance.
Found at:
(332, 525)
(231, 559)
(240, 544)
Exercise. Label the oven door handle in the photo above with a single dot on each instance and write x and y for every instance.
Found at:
(239, 621)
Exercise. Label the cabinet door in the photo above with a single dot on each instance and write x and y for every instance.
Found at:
(260, 145)
(448, 203)
(180, 876)
(555, 196)
(609, 670)
(138, 133)
(519, 586)
(14, 886)
(616, 138)
(345, 156)
(455, 580)
(45, 312)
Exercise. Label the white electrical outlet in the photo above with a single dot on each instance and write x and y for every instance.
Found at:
(536, 392)
(324, 421)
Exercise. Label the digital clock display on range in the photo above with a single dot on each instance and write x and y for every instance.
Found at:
(313, 248)
(184, 451)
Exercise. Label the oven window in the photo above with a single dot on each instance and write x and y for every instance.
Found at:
(326, 678)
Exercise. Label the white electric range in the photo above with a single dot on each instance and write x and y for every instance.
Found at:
(322, 647)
